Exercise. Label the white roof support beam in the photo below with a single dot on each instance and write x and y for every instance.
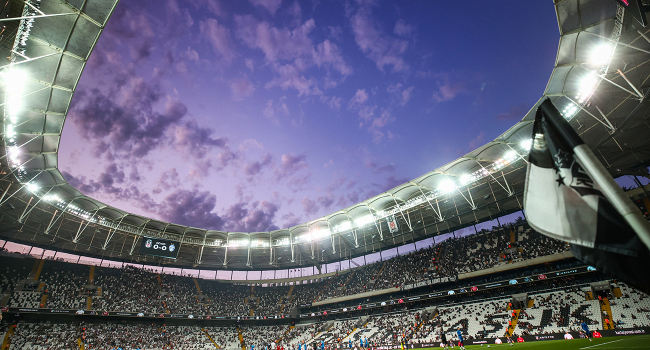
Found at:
(199, 259)
(82, 230)
(353, 229)
(437, 212)
(293, 249)
(329, 227)
(144, 225)
(610, 128)
(408, 222)
(225, 255)
(111, 233)
(26, 212)
(507, 189)
(377, 225)
(270, 250)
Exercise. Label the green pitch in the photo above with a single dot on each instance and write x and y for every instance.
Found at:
(619, 343)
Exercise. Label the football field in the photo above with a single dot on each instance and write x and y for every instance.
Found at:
(626, 342)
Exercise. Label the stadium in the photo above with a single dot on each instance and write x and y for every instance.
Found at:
(389, 272)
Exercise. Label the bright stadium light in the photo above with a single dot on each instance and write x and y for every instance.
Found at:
(570, 110)
(10, 131)
(343, 226)
(32, 187)
(601, 54)
(364, 220)
(526, 144)
(51, 198)
(465, 179)
(14, 153)
(447, 186)
(14, 79)
(587, 87)
(510, 156)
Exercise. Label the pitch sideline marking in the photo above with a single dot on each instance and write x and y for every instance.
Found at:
(613, 341)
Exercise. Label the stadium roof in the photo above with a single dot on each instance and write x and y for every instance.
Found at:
(605, 102)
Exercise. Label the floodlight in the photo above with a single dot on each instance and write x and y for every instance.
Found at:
(446, 186)
(465, 179)
(570, 110)
(526, 144)
(51, 198)
(32, 187)
(364, 220)
(587, 86)
(14, 152)
(345, 225)
(10, 131)
(14, 105)
(510, 155)
(601, 54)
(14, 78)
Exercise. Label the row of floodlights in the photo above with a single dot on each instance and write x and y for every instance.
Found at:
(445, 187)
(599, 58)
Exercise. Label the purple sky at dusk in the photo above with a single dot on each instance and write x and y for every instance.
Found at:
(263, 114)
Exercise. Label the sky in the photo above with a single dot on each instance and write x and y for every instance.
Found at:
(250, 116)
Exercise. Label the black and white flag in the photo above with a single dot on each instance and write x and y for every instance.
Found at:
(564, 202)
(392, 223)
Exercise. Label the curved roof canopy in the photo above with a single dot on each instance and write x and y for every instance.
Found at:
(604, 101)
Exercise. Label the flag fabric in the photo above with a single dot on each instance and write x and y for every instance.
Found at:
(562, 201)
(392, 223)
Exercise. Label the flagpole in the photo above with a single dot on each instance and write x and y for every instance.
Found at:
(598, 173)
(613, 192)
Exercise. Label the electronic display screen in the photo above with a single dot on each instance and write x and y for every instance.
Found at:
(159, 247)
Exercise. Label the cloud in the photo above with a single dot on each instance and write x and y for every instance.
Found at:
(126, 122)
(291, 53)
(241, 88)
(477, 141)
(270, 5)
(516, 112)
(269, 113)
(251, 217)
(360, 97)
(447, 89)
(382, 49)
(290, 219)
(309, 206)
(192, 208)
(402, 95)
(255, 168)
(168, 180)
(402, 29)
(291, 78)
(219, 37)
(194, 140)
(328, 53)
(275, 43)
(292, 163)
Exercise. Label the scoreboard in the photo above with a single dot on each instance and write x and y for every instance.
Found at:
(159, 247)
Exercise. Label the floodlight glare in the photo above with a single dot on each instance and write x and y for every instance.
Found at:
(601, 54)
(526, 144)
(465, 179)
(15, 79)
(446, 186)
(364, 220)
(10, 131)
(345, 225)
(587, 86)
(32, 187)
(510, 155)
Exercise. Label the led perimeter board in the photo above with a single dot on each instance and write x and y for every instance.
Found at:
(159, 247)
